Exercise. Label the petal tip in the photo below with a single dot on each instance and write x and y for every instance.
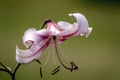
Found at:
(70, 14)
(89, 32)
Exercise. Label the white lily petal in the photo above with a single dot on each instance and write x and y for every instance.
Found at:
(64, 25)
(26, 56)
(87, 33)
(54, 28)
(70, 32)
(21, 59)
(74, 31)
(83, 24)
(32, 35)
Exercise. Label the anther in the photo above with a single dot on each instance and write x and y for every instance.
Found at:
(38, 61)
(41, 72)
(54, 37)
(56, 70)
(73, 66)
(46, 21)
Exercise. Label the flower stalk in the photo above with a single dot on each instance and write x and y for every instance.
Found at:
(12, 74)
(16, 68)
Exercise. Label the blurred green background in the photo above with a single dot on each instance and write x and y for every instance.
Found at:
(97, 56)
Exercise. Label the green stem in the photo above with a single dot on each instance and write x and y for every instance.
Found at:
(4, 66)
(16, 68)
(10, 72)
(4, 70)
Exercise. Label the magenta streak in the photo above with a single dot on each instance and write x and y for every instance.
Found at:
(65, 36)
(57, 26)
(43, 36)
(43, 47)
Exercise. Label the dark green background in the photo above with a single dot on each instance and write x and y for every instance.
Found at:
(97, 56)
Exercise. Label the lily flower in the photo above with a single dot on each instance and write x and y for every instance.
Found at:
(36, 41)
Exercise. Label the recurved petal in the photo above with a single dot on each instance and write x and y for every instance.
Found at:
(54, 28)
(85, 30)
(33, 36)
(70, 32)
(21, 59)
(87, 33)
(26, 56)
(64, 25)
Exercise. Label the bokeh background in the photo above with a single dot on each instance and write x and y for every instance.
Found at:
(97, 56)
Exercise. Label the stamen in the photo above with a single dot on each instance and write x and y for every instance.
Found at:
(48, 56)
(54, 37)
(63, 56)
(40, 68)
(53, 54)
(56, 70)
(46, 21)
(38, 61)
(41, 72)
(73, 66)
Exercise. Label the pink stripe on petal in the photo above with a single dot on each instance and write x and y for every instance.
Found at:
(74, 31)
(67, 34)
(41, 49)
(32, 53)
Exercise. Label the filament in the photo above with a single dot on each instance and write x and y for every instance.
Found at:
(73, 66)
(38, 61)
(53, 48)
(47, 58)
(41, 72)
(63, 56)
